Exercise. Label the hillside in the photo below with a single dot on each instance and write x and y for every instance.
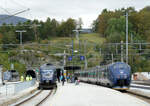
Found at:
(33, 55)
(11, 20)
(93, 43)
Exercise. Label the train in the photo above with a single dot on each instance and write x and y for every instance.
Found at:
(116, 75)
(47, 76)
(11, 75)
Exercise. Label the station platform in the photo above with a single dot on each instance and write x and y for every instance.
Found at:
(91, 95)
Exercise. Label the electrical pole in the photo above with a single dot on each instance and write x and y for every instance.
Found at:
(64, 62)
(64, 57)
(121, 51)
(85, 67)
(20, 35)
(100, 51)
(35, 31)
(126, 37)
(112, 56)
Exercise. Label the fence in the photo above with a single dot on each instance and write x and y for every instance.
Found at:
(14, 88)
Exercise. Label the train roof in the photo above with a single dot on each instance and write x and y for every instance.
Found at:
(116, 63)
(51, 66)
(103, 66)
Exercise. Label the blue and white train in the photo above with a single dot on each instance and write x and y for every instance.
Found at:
(116, 75)
(48, 76)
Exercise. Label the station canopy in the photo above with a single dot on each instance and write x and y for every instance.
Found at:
(72, 68)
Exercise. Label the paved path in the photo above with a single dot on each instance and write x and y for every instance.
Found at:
(91, 95)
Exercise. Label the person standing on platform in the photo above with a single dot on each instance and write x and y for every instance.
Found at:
(62, 79)
(30, 78)
(22, 78)
(27, 78)
(68, 78)
(76, 80)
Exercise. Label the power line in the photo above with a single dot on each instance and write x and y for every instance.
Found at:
(15, 14)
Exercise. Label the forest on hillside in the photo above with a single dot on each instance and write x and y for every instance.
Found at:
(112, 24)
(37, 30)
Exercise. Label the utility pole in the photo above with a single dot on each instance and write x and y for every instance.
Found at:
(126, 37)
(100, 51)
(35, 30)
(64, 62)
(20, 35)
(64, 57)
(112, 56)
(85, 67)
(121, 51)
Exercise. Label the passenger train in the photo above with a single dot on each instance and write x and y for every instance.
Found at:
(48, 76)
(116, 75)
(11, 75)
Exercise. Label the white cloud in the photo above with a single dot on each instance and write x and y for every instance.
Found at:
(88, 10)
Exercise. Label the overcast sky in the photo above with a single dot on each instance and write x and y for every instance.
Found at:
(88, 10)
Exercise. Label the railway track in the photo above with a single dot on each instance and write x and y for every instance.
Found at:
(141, 87)
(45, 98)
(36, 99)
(139, 96)
(142, 82)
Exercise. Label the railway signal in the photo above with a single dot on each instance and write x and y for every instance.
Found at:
(70, 58)
(82, 58)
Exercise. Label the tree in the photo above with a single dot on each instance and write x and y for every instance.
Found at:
(116, 29)
(65, 28)
(79, 23)
(9, 38)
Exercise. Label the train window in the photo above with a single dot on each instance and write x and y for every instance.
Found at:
(120, 66)
(51, 71)
(105, 74)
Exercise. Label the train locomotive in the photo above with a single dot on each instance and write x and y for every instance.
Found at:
(48, 76)
(116, 75)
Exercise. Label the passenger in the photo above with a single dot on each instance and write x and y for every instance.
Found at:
(27, 78)
(76, 80)
(22, 78)
(30, 78)
(72, 79)
(68, 78)
(58, 78)
(62, 79)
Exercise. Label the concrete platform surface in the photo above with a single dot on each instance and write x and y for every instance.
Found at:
(91, 95)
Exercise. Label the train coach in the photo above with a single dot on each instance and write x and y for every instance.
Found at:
(48, 76)
(116, 75)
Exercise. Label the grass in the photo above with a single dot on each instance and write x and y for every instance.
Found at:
(92, 38)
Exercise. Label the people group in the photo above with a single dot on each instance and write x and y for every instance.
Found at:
(69, 79)
(27, 78)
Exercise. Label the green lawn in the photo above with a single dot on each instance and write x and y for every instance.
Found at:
(92, 38)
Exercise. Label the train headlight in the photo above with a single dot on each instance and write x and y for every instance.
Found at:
(125, 76)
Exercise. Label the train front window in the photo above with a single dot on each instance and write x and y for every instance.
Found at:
(120, 66)
(50, 71)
